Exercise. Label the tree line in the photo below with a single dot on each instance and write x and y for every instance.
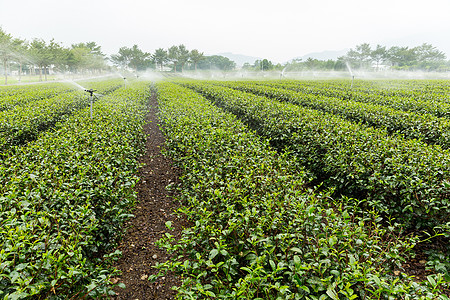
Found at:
(425, 57)
(175, 58)
(38, 57)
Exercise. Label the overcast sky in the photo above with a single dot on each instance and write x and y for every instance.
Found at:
(277, 30)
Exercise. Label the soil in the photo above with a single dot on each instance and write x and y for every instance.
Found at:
(155, 206)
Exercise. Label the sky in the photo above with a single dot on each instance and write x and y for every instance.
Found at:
(276, 30)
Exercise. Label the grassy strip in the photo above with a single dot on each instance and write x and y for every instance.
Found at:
(64, 197)
(404, 178)
(258, 234)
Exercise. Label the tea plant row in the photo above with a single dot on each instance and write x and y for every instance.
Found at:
(11, 96)
(432, 99)
(404, 178)
(428, 128)
(63, 198)
(14, 96)
(257, 232)
(24, 122)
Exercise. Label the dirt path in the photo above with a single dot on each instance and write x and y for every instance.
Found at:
(153, 210)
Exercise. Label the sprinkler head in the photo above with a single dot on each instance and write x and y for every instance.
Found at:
(91, 91)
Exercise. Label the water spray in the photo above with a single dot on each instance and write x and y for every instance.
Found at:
(351, 73)
(282, 72)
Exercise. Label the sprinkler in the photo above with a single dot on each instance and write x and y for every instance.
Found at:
(125, 81)
(91, 97)
(351, 73)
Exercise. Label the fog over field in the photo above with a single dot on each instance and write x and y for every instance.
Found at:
(278, 31)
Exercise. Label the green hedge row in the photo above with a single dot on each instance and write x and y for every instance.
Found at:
(405, 178)
(11, 97)
(412, 89)
(430, 98)
(102, 85)
(23, 123)
(428, 128)
(63, 198)
(256, 232)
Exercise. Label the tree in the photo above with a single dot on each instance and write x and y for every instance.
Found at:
(40, 55)
(401, 56)
(160, 57)
(263, 65)
(5, 51)
(195, 57)
(78, 59)
(174, 56)
(95, 49)
(266, 64)
(93, 57)
(379, 55)
(428, 57)
(140, 60)
(57, 55)
(123, 58)
(183, 56)
(133, 58)
(216, 62)
(311, 63)
(21, 48)
(360, 57)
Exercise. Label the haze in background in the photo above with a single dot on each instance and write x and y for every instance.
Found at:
(276, 30)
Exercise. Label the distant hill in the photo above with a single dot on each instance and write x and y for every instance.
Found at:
(324, 55)
(240, 59)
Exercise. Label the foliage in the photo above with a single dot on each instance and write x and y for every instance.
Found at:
(160, 57)
(217, 62)
(23, 55)
(426, 127)
(12, 96)
(133, 58)
(195, 57)
(404, 178)
(180, 56)
(424, 57)
(257, 232)
(26, 119)
(63, 198)
(428, 97)
(262, 65)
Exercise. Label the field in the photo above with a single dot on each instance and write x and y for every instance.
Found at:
(291, 189)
